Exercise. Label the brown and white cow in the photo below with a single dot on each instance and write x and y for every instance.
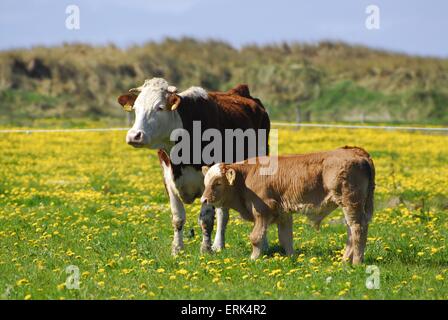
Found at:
(314, 184)
(159, 111)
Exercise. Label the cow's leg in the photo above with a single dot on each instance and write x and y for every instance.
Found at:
(222, 217)
(206, 221)
(285, 234)
(258, 235)
(265, 244)
(178, 221)
(357, 222)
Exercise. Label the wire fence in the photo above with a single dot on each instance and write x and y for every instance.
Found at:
(61, 130)
(275, 124)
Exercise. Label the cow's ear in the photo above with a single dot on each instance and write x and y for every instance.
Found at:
(127, 101)
(173, 101)
(205, 170)
(164, 159)
(230, 175)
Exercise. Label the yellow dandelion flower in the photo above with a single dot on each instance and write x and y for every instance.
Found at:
(439, 277)
(22, 282)
(182, 271)
(342, 292)
(275, 272)
(280, 285)
(142, 286)
(313, 260)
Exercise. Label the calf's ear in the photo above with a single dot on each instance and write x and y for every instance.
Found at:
(127, 101)
(173, 101)
(205, 170)
(230, 175)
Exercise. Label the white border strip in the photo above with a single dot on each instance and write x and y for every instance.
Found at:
(277, 124)
(343, 126)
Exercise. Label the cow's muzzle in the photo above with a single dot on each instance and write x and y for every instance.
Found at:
(135, 138)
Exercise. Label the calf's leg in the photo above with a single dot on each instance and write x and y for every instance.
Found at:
(348, 253)
(258, 235)
(285, 234)
(222, 218)
(206, 221)
(357, 222)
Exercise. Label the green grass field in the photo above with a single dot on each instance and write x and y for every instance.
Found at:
(89, 200)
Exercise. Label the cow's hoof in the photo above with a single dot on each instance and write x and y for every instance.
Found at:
(206, 248)
(218, 247)
(175, 250)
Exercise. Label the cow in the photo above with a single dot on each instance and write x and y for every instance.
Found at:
(314, 184)
(160, 110)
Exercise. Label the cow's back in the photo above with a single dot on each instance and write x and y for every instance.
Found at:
(238, 109)
(234, 109)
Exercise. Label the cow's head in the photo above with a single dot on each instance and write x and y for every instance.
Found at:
(155, 104)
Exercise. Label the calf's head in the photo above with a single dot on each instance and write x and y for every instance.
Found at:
(219, 181)
(155, 104)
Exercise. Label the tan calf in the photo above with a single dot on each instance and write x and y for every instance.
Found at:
(314, 184)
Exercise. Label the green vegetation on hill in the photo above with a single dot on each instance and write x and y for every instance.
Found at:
(322, 82)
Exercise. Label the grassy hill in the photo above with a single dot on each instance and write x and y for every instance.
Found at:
(322, 82)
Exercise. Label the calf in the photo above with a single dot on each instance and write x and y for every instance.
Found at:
(314, 184)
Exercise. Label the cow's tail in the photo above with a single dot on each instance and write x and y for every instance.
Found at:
(368, 207)
(266, 124)
(243, 91)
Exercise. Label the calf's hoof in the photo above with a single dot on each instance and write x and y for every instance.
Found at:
(255, 255)
(357, 261)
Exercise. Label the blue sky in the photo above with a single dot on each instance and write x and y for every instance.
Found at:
(410, 26)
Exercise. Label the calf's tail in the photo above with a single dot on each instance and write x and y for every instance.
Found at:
(368, 207)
